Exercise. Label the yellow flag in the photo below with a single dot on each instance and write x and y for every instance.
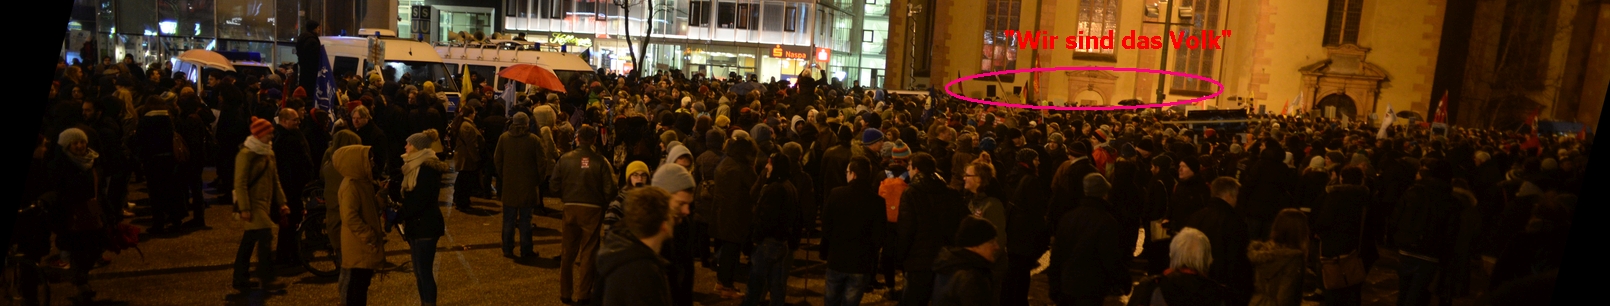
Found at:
(466, 76)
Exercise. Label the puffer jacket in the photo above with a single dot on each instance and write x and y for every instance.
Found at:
(1280, 274)
(362, 232)
(734, 201)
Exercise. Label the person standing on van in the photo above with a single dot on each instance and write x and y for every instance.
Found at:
(308, 47)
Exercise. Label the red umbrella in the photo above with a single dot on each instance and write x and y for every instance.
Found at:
(533, 75)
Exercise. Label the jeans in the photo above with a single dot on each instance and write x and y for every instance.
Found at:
(768, 273)
(517, 218)
(727, 262)
(424, 256)
(845, 288)
(1414, 281)
(259, 239)
(919, 287)
(357, 293)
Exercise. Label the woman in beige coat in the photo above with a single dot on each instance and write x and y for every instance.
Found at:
(362, 232)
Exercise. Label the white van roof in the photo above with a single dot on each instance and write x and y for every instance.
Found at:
(555, 61)
(396, 49)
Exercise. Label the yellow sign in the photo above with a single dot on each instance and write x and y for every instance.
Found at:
(791, 52)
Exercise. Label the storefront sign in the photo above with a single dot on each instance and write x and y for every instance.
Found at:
(790, 52)
(421, 16)
(566, 39)
(823, 54)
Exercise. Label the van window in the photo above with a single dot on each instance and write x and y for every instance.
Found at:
(344, 65)
(487, 73)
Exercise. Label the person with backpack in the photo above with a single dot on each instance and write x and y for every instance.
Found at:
(893, 185)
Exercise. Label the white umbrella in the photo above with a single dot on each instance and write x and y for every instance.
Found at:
(207, 59)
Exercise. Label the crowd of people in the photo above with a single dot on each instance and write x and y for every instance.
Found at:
(952, 203)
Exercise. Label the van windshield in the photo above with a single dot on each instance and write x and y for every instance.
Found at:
(419, 72)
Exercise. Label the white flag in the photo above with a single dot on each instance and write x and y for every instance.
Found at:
(1386, 122)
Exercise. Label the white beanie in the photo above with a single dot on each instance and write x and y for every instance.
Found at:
(70, 136)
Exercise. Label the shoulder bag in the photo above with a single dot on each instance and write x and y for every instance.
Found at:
(1343, 271)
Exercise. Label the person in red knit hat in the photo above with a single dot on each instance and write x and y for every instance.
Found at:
(257, 191)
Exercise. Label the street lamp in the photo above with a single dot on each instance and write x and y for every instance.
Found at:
(1185, 13)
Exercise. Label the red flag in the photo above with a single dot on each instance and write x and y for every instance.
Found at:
(1442, 109)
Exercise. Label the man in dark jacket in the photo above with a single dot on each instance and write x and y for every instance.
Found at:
(1424, 230)
(1340, 217)
(310, 52)
(1268, 189)
(372, 136)
(1068, 186)
(492, 124)
(1092, 261)
(678, 250)
(853, 213)
(585, 180)
(964, 276)
(630, 268)
(1227, 230)
(1188, 196)
(1027, 238)
(295, 171)
(930, 210)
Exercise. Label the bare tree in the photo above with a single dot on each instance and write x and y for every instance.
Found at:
(648, 33)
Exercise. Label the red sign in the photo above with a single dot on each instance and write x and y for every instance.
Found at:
(823, 54)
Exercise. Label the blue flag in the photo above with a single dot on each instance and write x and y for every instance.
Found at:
(509, 100)
(324, 88)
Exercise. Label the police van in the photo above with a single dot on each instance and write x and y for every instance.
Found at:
(487, 59)
(349, 55)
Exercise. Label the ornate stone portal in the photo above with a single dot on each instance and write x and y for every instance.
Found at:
(1091, 87)
(1344, 81)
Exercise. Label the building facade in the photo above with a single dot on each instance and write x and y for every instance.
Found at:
(1342, 59)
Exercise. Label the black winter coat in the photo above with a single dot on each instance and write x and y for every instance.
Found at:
(777, 212)
(1425, 220)
(852, 228)
(963, 278)
(1228, 232)
(1094, 259)
(1179, 287)
(292, 156)
(420, 216)
(629, 273)
(1265, 190)
(1068, 188)
(1189, 196)
(930, 213)
(734, 204)
(1029, 233)
(1340, 217)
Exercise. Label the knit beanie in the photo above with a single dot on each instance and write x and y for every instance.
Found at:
(1192, 163)
(1054, 138)
(668, 137)
(900, 150)
(635, 167)
(986, 145)
(714, 138)
(70, 136)
(793, 150)
(1316, 162)
(871, 135)
(722, 122)
(1079, 149)
(1027, 155)
(1096, 185)
(261, 127)
(420, 141)
(672, 178)
(974, 232)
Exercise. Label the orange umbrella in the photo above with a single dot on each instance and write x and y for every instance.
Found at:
(533, 75)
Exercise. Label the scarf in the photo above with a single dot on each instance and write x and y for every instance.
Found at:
(85, 161)
(259, 147)
(411, 164)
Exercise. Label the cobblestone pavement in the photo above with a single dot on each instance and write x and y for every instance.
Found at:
(194, 268)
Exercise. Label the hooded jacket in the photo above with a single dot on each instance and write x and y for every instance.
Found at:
(522, 162)
(629, 273)
(362, 233)
(678, 151)
(963, 278)
(332, 184)
(734, 202)
(1280, 274)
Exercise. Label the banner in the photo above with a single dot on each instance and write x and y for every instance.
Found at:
(1386, 121)
(324, 88)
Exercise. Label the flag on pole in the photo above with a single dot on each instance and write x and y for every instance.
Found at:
(324, 88)
(509, 100)
(1442, 110)
(466, 76)
(1386, 122)
(1286, 109)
